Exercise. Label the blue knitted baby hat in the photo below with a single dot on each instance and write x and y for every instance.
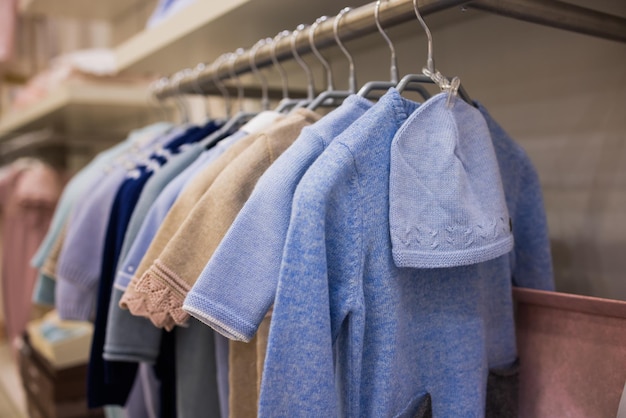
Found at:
(446, 201)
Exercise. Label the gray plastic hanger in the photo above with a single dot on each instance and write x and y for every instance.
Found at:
(155, 87)
(307, 70)
(352, 71)
(331, 96)
(230, 124)
(195, 73)
(241, 116)
(286, 102)
(220, 86)
(372, 86)
(180, 103)
(265, 101)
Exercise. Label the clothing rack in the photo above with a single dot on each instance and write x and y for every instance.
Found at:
(360, 21)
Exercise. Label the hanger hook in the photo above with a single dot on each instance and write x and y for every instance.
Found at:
(189, 74)
(279, 68)
(184, 73)
(235, 77)
(218, 83)
(352, 79)
(265, 101)
(392, 48)
(430, 62)
(320, 57)
(196, 73)
(303, 64)
(155, 89)
(176, 79)
(451, 86)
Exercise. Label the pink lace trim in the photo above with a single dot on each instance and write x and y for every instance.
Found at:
(158, 295)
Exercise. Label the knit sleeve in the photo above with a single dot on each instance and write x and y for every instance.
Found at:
(184, 257)
(152, 190)
(58, 222)
(313, 302)
(80, 261)
(176, 270)
(138, 302)
(533, 260)
(226, 296)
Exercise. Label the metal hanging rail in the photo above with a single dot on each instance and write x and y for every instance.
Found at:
(558, 14)
(360, 21)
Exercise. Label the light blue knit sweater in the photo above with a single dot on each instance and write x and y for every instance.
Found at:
(354, 335)
(226, 296)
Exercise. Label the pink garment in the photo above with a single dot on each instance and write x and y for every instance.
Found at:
(28, 195)
(572, 354)
(7, 28)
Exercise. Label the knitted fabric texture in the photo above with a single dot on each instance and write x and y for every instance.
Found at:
(160, 208)
(120, 322)
(226, 296)
(197, 378)
(80, 262)
(111, 382)
(531, 262)
(171, 276)
(259, 232)
(153, 188)
(130, 337)
(135, 301)
(158, 211)
(354, 335)
(245, 368)
(450, 208)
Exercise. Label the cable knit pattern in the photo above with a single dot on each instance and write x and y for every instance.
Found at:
(192, 246)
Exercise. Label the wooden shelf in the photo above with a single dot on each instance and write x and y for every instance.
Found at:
(204, 30)
(84, 109)
(79, 9)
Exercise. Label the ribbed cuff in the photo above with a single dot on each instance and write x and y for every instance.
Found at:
(444, 259)
(74, 302)
(221, 320)
(73, 274)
